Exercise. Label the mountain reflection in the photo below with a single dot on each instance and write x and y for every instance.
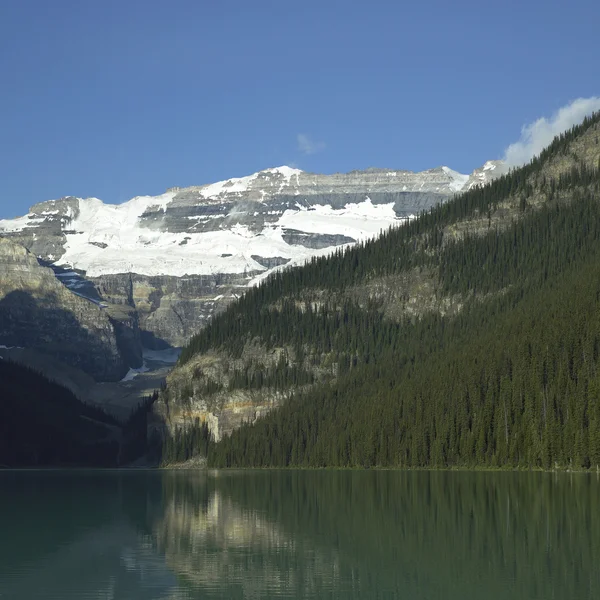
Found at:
(298, 534)
(228, 550)
(344, 534)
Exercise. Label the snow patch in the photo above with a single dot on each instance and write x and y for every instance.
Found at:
(133, 373)
(235, 185)
(68, 274)
(356, 220)
(287, 172)
(239, 185)
(458, 179)
(132, 248)
(20, 223)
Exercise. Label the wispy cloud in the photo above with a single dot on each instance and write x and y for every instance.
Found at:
(537, 135)
(306, 145)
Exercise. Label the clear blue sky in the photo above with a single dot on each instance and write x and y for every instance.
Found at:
(120, 98)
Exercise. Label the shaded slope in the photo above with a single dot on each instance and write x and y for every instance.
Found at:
(42, 423)
(39, 313)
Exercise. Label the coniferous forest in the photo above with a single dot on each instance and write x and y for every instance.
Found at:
(44, 424)
(509, 377)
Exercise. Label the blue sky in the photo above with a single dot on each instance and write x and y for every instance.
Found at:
(120, 98)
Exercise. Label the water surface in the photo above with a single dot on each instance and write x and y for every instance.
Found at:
(298, 534)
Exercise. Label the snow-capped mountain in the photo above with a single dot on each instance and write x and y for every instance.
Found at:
(231, 226)
(177, 257)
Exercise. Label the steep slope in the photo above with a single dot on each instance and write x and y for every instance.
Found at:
(42, 424)
(38, 313)
(468, 336)
(178, 258)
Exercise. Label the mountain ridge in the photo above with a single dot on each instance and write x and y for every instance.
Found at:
(176, 259)
(69, 215)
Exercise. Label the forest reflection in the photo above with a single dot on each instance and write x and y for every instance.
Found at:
(362, 534)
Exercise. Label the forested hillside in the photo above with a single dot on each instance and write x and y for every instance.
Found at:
(469, 337)
(44, 424)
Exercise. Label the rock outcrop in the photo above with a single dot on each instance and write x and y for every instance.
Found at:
(38, 313)
(168, 309)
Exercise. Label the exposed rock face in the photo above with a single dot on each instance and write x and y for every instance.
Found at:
(171, 261)
(261, 199)
(42, 231)
(211, 387)
(490, 170)
(169, 310)
(314, 240)
(225, 410)
(39, 313)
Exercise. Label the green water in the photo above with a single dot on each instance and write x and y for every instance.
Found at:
(299, 534)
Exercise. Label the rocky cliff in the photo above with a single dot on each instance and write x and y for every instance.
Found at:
(38, 313)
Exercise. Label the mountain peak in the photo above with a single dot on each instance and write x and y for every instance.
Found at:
(283, 170)
(458, 179)
(236, 226)
(490, 170)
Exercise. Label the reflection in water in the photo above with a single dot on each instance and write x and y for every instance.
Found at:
(76, 535)
(376, 534)
(299, 534)
(219, 546)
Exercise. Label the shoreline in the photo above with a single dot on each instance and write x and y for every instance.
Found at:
(200, 465)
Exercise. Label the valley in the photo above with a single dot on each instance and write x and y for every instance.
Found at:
(299, 300)
(297, 310)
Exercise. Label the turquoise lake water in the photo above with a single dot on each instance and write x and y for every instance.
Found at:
(298, 534)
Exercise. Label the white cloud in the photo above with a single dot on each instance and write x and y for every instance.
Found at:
(537, 135)
(308, 146)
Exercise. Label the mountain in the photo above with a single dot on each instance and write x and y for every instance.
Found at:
(468, 337)
(174, 260)
(40, 315)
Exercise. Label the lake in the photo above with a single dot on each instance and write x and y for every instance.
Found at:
(298, 534)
